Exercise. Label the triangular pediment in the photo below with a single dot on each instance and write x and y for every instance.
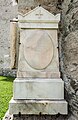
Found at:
(39, 14)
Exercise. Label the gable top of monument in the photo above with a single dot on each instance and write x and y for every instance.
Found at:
(38, 14)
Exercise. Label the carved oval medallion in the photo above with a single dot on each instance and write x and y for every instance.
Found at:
(38, 50)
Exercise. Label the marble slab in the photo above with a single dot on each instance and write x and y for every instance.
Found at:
(38, 88)
(40, 47)
(37, 107)
(38, 54)
(38, 18)
(39, 14)
(39, 74)
(38, 51)
(38, 25)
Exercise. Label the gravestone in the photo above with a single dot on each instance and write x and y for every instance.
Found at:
(38, 87)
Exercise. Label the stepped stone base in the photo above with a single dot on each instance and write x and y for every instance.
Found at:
(38, 96)
(25, 88)
(30, 107)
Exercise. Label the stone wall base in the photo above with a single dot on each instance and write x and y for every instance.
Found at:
(38, 117)
(42, 117)
(8, 72)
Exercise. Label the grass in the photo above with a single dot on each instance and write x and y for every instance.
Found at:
(6, 93)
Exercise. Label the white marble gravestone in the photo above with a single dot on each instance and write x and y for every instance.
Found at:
(38, 87)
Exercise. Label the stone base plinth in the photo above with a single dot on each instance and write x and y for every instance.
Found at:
(38, 96)
(30, 107)
(38, 88)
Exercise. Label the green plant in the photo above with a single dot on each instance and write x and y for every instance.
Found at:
(6, 88)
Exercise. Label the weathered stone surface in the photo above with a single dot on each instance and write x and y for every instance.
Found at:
(8, 116)
(42, 57)
(14, 2)
(38, 53)
(69, 52)
(13, 41)
(7, 12)
(31, 107)
(38, 73)
(8, 72)
(40, 47)
(27, 5)
(72, 92)
(43, 117)
(53, 89)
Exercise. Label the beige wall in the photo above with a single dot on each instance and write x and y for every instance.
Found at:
(7, 12)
